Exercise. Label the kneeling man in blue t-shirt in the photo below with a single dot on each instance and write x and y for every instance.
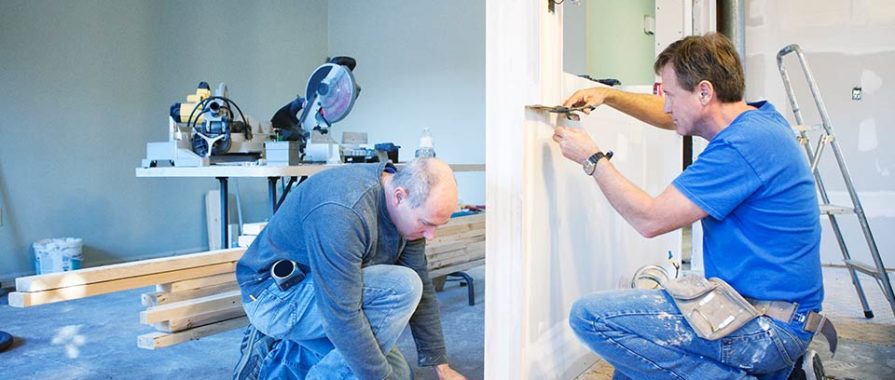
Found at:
(754, 193)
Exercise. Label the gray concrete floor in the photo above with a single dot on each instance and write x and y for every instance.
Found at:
(96, 338)
(866, 346)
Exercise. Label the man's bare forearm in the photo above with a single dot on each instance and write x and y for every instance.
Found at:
(647, 108)
(630, 201)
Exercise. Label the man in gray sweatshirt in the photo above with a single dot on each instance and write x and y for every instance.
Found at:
(340, 270)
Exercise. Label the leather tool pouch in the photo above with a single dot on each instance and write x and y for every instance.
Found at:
(711, 306)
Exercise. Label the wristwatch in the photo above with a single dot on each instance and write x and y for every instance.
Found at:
(590, 164)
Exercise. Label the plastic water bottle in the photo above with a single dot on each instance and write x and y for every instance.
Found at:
(425, 148)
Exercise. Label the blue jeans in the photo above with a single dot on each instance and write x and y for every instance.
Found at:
(390, 296)
(644, 336)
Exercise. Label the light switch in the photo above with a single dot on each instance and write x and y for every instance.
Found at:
(649, 25)
(857, 93)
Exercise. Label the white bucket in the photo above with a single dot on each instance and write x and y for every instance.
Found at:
(57, 255)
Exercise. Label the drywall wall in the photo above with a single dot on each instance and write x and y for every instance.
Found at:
(848, 43)
(421, 65)
(86, 84)
(576, 242)
(552, 237)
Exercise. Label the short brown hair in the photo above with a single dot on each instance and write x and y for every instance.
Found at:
(712, 58)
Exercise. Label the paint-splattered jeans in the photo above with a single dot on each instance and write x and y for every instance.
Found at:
(391, 294)
(644, 336)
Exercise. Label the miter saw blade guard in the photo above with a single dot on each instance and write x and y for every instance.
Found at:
(329, 97)
(330, 94)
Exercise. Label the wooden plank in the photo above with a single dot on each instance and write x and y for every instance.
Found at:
(451, 249)
(124, 270)
(459, 224)
(466, 254)
(176, 310)
(202, 319)
(452, 246)
(465, 235)
(155, 340)
(161, 298)
(197, 283)
(456, 268)
(465, 220)
(27, 299)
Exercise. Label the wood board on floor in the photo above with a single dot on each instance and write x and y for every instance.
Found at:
(91, 275)
(28, 299)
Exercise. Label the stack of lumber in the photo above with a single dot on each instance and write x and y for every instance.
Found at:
(190, 309)
(64, 286)
(196, 293)
(458, 246)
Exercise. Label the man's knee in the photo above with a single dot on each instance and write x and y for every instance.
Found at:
(399, 282)
(590, 314)
(581, 318)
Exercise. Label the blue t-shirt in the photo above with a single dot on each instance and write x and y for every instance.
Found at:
(762, 232)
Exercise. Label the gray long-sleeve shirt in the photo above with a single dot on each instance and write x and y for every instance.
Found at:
(336, 223)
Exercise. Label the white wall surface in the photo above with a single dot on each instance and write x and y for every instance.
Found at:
(421, 64)
(552, 236)
(577, 243)
(847, 43)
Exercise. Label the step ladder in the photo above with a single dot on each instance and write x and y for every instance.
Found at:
(827, 137)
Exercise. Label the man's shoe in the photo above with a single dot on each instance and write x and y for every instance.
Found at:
(254, 348)
(814, 369)
(5, 341)
(808, 367)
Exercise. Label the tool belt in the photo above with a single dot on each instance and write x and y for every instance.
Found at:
(812, 322)
(714, 309)
(711, 306)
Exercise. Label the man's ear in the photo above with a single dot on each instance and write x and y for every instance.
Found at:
(400, 195)
(706, 91)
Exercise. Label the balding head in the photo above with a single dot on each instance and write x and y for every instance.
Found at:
(422, 195)
(423, 176)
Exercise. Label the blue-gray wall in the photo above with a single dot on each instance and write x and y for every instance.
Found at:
(421, 65)
(86, 84)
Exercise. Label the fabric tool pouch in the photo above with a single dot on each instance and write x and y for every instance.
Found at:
(711, 306)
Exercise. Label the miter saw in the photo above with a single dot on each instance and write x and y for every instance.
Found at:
(329, 97)
(206, 130)
(210, 128)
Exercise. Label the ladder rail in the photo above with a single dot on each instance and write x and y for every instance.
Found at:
(882, 276)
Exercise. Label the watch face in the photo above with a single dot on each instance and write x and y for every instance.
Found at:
(589, 167)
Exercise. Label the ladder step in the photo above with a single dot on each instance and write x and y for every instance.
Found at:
(834, 209)
(805, 128)
(862, 267)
